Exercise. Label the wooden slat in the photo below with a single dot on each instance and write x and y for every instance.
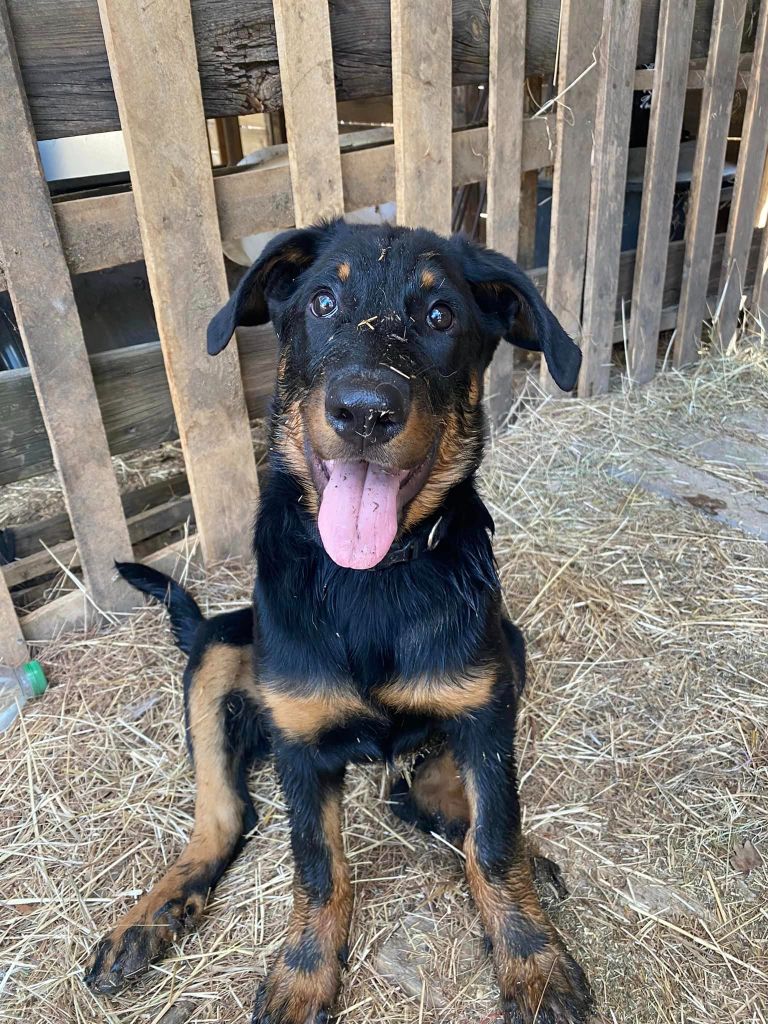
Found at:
(13, 646)
(760, 294)
(151, 50)
(707, 181)
(506, 105)
(617, 54)
(577, 80)
(46, 314)
(749, 171)
(421, 92)
(306, 73)
(697, 69)
(673, 54)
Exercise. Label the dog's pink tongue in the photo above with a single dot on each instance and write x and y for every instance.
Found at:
(358, 513)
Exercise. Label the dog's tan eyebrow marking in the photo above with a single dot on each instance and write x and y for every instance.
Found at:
(427, 279)
(343, 270)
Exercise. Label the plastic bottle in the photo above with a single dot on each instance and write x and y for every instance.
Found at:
(17, 686)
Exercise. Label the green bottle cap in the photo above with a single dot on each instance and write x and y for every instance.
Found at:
(33, 670)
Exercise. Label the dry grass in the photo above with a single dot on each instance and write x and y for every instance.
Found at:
(643, 744)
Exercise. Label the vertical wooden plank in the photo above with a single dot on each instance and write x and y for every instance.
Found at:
(749, 169)
(41, 291)
(309, 99)
(673, 49)
(506, 107)
(13, 646)
(421, 94)
(529, 199)
(581, 23)
(618, 53)
(151, 52)
(706, 183)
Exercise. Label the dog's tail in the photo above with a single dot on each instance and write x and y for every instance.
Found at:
(183, 609)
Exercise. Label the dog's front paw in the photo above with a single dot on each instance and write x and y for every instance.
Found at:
(548, 987)
(122, 956)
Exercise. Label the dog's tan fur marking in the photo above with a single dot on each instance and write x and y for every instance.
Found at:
(446, 698)
(344, 270)
(301, 717)
(438, 788)
(427, 279)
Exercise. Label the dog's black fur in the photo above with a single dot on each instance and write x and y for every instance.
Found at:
(354, 665)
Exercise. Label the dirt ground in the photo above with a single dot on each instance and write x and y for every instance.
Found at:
(643, 746)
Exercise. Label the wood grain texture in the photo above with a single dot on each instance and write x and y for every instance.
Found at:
(66, 72)
(13, 646)
(707, 181)
(760, 293)
(41, 291)
(152, 57)
(577, 80)
(746, 190)
(667, 102)
(309, 99)
(421, 94)
(506, 106)
(617, 56)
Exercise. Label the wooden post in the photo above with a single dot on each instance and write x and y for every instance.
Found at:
(760, 291)
(529, 189)
(41, 291)
(306, 73)
(13, 646)
(151, 52)
(707, 181)
(577, 79)
(229, 141)
(421, 93)
(668, 99)
(506, 107)
(618, 49)
(749, 170)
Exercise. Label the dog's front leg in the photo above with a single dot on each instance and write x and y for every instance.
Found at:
(539, 979)
(304, 980)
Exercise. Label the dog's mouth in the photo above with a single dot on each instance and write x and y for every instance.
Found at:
(361, 504)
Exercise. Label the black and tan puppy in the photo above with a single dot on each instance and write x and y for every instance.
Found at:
(377, 611)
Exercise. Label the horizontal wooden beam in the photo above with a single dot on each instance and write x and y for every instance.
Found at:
(135, 402)
(66, 73)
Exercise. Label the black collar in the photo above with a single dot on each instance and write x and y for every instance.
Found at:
(424, 538)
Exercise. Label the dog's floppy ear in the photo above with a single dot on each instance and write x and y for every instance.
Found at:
(267, 283)
(514, 310)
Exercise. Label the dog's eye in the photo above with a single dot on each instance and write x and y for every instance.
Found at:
(323, 303)
(440, 317)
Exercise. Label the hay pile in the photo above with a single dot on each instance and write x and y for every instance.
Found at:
(643, 747)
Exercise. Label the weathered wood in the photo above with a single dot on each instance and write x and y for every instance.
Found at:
(102, 231)
(749, 173)
(74, 612)
(529, 187)
(506, 106)
(577, 80)
(707, 180)
(144, 524)
(48, 321)
(13, 646)
(697, 68)
(67, 75)
(152, 56)
(29, 537)
(760, 294)
(134, 397)
(667, 101)
(617, 56)
(306, 72)
(421, 97)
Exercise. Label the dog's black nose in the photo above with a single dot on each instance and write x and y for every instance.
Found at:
(367, 410)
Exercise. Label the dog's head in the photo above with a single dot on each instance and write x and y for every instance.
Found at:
(385, 334)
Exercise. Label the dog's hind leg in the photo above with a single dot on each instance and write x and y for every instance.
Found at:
(225, 727)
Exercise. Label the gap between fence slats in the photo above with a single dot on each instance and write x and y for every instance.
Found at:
(577, 81)
(41, 292)
(667, 103)
(421, 95)
(707, 180)
(617, 54)
(303, 35)
(749, 171)
(506, 104)
(151, 51)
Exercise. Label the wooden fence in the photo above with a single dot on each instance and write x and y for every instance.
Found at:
(177, 213)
